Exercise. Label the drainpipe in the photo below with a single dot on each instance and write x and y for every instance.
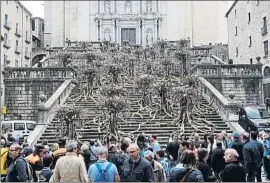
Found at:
(64, 26)
(192, 33)
(23, 52)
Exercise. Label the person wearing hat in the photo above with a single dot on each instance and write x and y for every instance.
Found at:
(61, 151)
(238, 145)
(159, 173)
(35, 159)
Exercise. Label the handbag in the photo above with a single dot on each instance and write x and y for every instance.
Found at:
(185, 176)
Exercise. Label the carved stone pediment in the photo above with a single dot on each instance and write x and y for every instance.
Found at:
(128, 16)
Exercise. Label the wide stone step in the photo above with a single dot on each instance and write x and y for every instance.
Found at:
(159, 132)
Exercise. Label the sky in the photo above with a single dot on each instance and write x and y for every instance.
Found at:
(37, 8)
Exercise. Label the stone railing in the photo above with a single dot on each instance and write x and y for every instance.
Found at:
(226, 109)
(230, 71)
(218, 60)
(38, 73)
(47, 110)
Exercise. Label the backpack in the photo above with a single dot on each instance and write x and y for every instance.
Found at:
(29, 170)
(103, 176)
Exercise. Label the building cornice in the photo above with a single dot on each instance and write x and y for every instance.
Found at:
(233, 5)
(37, 18)
(22, 6)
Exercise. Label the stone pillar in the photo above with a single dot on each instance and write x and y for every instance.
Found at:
(159, 25)
(42, 111)
(139, 32)
(155, 31)
(101, 30)
(117, 32)
(143, 33)
(113, 39)
(97, 33)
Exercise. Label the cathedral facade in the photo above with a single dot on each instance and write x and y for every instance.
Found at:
(139, 22)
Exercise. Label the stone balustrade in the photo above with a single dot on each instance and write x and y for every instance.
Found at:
(47, 110)
(226, 109)
(217, 60)
(38, 73)
(242, 71)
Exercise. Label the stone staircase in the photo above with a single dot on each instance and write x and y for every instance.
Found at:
(162, 128)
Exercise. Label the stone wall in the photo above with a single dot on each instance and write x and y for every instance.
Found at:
(244, 81)
(23, 86)
(22, 97)
(245, 90)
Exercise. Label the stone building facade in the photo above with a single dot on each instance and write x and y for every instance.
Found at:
(16, 30)
(140, 22)
(248, 37)
(37, 27)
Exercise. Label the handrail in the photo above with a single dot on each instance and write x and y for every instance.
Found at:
(230, 71)
(41, 62)
(218, 60)
(39, 72)
(48, 110)
(226, 109)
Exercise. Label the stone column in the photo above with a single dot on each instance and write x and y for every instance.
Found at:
(155, 31)
(159, 25)
(139, 32)
(143, 32)
(101, 30)
(42, 111)
(113, 31)
(97, 33)
(117, 32)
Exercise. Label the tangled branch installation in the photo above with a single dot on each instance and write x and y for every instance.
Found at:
(111, 75)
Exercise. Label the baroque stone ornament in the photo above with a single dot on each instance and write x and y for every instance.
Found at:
(231, 94)
(149, 36)
(42, 98)
(149, 6)
(107, 35)
(128, 6)
(107, 6)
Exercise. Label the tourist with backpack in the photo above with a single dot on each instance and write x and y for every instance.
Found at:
(121, 158)
(19, 170)
(102, 170)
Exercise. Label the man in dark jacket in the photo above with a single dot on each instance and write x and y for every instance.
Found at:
(254, 136)
(17, 171)
(137, 169)
(217, 159)
(252, 157)
(238, 146)
(112, 153)
(233, 171)
(172, 152)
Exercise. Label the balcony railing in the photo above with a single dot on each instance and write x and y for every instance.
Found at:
(7, 44)
(27, 40)
(8, 25)
(18, 33)
(18, 50)
(27, 55)
(264, 30)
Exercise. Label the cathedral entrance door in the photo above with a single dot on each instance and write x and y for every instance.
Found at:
(128, 34)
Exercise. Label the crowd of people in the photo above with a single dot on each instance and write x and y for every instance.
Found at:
(221, 157)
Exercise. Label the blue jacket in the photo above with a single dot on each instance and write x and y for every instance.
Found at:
(178, 172)
(17, 172)
(253, 154)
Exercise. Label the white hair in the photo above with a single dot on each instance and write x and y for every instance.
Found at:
(72, 144)
(149, 153)
(84, 147)
(233, 152)
(103, 150)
